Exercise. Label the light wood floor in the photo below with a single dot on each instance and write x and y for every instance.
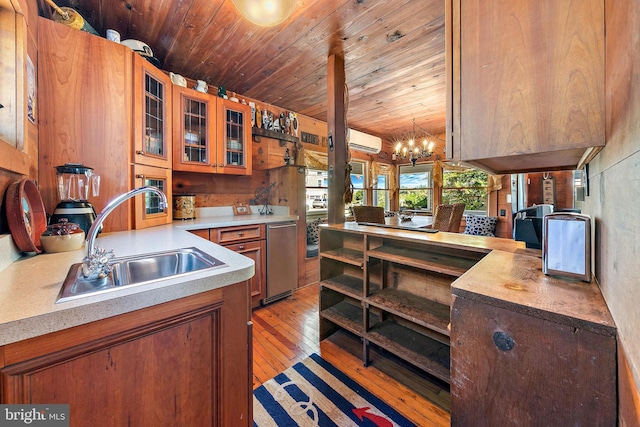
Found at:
(286, 332)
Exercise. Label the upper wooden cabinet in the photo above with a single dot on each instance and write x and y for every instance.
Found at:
(234, 138)
(211, 134)
(526, 91)
(106, 107)
(84, 108)
(151, 114)
(194, 131)
(14, 155)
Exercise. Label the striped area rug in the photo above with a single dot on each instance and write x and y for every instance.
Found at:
(316, 393)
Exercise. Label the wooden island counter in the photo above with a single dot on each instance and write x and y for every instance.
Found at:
(477, 312)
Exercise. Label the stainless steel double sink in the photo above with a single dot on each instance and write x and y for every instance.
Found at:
(137, 270)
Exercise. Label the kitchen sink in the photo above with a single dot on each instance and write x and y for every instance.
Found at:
(137, 270)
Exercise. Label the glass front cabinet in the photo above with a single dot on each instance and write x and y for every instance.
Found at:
(152, 114)
(194, 132)
(148, 211)
(211, 134)
(234, 138)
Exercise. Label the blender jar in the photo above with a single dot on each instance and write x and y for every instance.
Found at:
(75, 180)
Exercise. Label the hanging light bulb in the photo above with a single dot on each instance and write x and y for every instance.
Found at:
(265, 13)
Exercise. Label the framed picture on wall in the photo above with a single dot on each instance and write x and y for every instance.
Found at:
(549, 191)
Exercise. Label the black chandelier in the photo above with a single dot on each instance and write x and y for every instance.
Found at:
(418, 144)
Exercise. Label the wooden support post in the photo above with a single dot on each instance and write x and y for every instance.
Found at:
(337, 127)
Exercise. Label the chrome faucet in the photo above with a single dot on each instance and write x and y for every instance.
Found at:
(97, 262)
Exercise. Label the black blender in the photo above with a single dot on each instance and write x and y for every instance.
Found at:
(74, 181)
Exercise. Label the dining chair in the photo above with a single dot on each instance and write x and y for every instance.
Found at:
(456, 217)
(373, 214)
(442, 217)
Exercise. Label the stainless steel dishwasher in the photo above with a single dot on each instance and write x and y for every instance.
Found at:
(282, 260)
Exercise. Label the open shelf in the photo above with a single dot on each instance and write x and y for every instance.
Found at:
(256, 131)
(429, 355)
(349, 256)
(402, 286)
(345, 315)
(345, 284)
(445, 264)
(419, 310)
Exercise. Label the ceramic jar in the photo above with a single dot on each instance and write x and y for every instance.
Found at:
(62, 237)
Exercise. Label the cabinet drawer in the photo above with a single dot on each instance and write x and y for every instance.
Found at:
(245, 247)
(243, 233)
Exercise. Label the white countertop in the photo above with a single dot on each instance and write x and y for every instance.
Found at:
(29, 286)
(230, 220)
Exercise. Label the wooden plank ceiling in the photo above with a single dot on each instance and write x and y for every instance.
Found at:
(394, 53)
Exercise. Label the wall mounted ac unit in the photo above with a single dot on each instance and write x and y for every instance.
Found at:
(363, 142)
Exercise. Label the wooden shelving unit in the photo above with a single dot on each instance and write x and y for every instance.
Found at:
(392, 292)
(421, 311)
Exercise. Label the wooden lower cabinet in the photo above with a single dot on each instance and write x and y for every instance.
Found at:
(514, 369)
(255, 250)
(538, 352)
(182, 363)
(250, 241)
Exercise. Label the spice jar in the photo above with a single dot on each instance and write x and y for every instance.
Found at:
(62, 237)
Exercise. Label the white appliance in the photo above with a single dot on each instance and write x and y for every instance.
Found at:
(361, 141)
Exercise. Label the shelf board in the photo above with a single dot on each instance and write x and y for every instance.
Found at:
(346, 255)
(421, 311)
(345, 284)
(445, 264)
(421, 351)
(345, 315)
(273, 134)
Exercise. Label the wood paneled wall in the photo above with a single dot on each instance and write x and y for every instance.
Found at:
(218, 189)
(498, 202)
(564, 189)
(8, 175)
(614, 191)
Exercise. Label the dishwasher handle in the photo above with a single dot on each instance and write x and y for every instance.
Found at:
(293, 224)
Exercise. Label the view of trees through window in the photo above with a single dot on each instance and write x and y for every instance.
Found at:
(358, 180)
(381, 191)
(416, 188)
(468, 187)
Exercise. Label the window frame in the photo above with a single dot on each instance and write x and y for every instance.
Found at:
(483, 189)
(429, 187)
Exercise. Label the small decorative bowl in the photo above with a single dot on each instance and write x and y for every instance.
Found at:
(62, 237)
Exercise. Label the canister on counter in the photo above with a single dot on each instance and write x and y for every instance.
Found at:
(184, 206)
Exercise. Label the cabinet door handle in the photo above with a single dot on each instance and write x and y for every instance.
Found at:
(140, 176)
(241, 247)
(140, 152)
(503, 341)
(240, 233)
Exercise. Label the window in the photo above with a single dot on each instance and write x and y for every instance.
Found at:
(316, 183)
(358, 179)
(381, 190)
(416, 187)
(468, 187)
